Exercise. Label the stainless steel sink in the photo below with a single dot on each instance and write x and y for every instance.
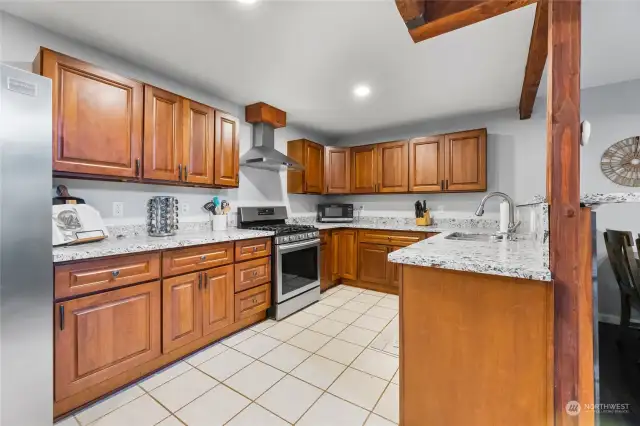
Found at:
(466, 236)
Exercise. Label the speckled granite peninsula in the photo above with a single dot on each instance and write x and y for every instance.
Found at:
(521, 259)
(142, 243)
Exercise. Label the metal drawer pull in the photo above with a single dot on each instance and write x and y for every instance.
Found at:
(255, 249)
(255, 273)
(203, 257)
(115, 273)
(254, 300)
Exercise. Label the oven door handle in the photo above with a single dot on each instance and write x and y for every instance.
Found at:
(285, 248)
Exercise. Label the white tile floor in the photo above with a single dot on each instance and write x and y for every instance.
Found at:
(324, 366)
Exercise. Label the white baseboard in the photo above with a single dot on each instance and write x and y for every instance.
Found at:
(614, 319)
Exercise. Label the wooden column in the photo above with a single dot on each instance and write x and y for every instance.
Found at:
(563, 193)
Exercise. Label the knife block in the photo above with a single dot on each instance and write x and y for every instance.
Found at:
(425, 220)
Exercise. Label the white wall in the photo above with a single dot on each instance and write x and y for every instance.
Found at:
(21, 41)
(614, 112)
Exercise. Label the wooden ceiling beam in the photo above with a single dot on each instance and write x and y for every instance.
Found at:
(536, 60)
(436, 17)
(412, 12)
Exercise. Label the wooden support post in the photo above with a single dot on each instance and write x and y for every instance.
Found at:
(563, 193)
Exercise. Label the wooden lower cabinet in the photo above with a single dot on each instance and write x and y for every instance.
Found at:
(98, 337)
(344, 254)
(326, 278)
(181, 310)
(374, 267)
(217, 298)
(252, 301)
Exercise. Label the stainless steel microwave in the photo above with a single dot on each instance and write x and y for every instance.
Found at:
(335, 212)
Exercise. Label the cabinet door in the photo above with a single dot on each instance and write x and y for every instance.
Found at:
(466, 161)
(337, 170)
(181, 310)
(396, 270)
(198, 128)
(98, 337)
(97, 118)
(217, 298)
(348, 254)
(374, 267)
(393, 164)
(335, 255)
(162, 135)
(364, 169)
(326, 279)
(426, 164)
(313, 168)
(227, 150)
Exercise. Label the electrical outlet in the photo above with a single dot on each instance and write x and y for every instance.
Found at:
(185, 208)
(118, 209)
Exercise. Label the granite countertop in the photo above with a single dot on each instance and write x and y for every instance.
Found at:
(386, 227)
(142, 243)
(595, 198)
(521, 259)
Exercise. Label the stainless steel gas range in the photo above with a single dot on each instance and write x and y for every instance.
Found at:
(296, 259)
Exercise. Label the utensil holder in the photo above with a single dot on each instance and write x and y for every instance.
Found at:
(218, 222)
(421, 221)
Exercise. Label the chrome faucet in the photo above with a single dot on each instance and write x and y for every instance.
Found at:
(512, 223)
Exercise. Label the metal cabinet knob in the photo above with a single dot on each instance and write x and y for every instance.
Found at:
(254, 300)
(255, 249)
(115, 273)
(203, 257)
(255, 273)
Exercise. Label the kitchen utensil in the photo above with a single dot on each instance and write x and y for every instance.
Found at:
(64, 197)
(418, 207)
(162, 216)
(424, 206)
(209, 207)
(226, 208)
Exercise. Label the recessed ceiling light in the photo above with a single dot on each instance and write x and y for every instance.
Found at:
(247, 1)
(362, 90)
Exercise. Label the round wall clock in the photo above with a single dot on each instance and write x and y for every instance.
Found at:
(621, 162)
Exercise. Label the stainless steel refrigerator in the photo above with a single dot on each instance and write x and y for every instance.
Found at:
(26, 270)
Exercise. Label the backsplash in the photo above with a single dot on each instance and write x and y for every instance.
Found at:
(446, 222)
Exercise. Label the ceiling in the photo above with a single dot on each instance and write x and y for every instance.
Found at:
(305, 57)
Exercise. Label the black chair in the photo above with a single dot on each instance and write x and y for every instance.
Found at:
(627, 272)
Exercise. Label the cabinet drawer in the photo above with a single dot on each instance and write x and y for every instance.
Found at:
(253, 249)
(96, 275)
(395, 238)
(252, 301)
(195, 259)
(252, 273)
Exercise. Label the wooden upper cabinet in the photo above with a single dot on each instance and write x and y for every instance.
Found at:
(314, 167)
(393, 163)
(217, 298)
(337, 170)
(310, 155)
(364, 169)
(97, 117)
(227, 150)
(265, 113)
(466, 161)
(181, 310)
(198, 132)
(426, 164)
(98, 337)
(162, 135)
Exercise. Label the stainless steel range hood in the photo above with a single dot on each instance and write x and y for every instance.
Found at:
(263, 155)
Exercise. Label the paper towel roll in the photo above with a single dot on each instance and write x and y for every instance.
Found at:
(504, 216)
